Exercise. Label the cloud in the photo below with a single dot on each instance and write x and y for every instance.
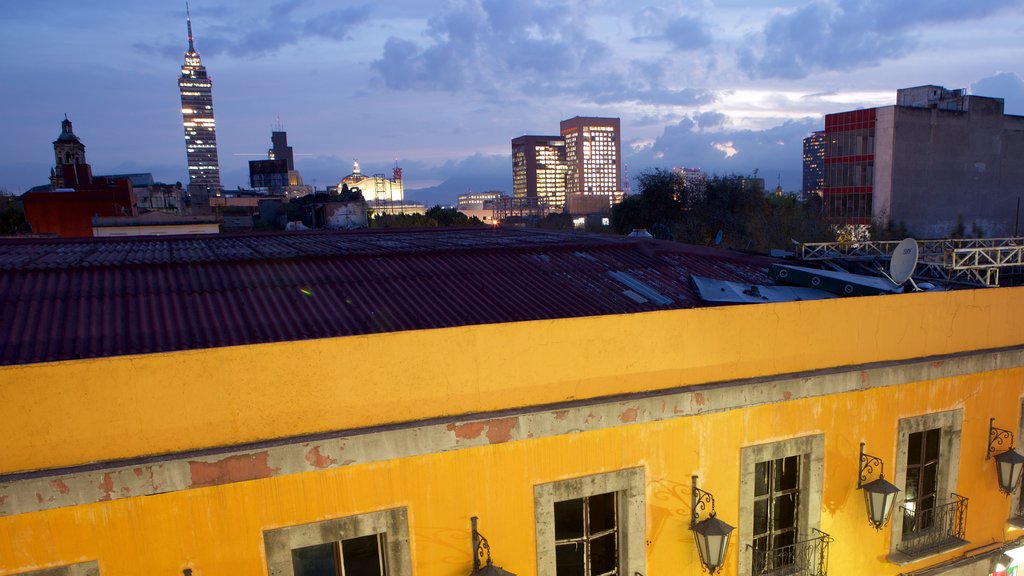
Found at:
(843, 35)
(1006, 85)
(281, 25)
(487, 44)
(707, 141)
(683, 32)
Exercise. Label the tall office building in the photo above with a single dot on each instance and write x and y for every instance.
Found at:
(814, 163)
(937, 160)
(539, 169)
(593, 151)
(200, 130)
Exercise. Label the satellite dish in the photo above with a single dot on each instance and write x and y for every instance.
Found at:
(904, 260)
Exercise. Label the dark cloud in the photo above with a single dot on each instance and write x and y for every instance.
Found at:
(488, 44)
(849, 34)
(532, 47)
(683, 32)
(1006, 85)
(281, 25)
(705, 141)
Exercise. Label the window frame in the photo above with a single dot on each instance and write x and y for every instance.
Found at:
(393, 523)
(628, 484)
(950, 422)
(811, 450)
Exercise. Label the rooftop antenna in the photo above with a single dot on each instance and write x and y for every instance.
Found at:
(903, 263)
(188, 20)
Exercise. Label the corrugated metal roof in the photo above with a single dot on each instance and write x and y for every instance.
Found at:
(67, 299)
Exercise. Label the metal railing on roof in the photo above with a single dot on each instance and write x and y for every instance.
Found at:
(973, 261)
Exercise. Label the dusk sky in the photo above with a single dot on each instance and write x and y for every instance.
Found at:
(723, 85)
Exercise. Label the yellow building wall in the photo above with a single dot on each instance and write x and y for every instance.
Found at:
(218, 530)
(65, 413)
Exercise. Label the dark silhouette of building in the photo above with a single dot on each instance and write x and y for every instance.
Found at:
(200, 128)
(814, 163)
(75, 196)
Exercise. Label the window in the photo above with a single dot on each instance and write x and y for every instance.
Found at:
(372, 544)
(920, 491)
(776, 512)
(780, 508)
(586, 536)
(928, 516)
(361, 556)
(591, 526)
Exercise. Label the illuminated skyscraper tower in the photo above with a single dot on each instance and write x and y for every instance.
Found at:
(200, 130)
(593, 149)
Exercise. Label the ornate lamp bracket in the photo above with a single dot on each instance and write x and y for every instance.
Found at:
(699, 500)
(867, 466)
(996, 438)
(481, 548)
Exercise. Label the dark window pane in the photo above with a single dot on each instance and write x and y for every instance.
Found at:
(787, 473)
(761, 470)
(785, 512)
(603, 554)
(569, 559)
(914, 449)
(602, 512)
(361, 556)
(319, 560)
(931, 451)
(761, 516)
(911, 488)
(569, 519)
(929, 477)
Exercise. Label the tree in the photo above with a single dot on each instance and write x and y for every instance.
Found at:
(662, 200)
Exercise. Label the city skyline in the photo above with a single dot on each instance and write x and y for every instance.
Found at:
(724, 86)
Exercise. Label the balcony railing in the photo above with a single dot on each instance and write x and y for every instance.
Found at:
(940, 527)
(807, 558)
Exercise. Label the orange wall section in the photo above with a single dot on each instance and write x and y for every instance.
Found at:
(66, 413)
(218, 530)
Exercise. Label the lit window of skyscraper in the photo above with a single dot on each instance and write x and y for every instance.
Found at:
(200, 130)
(539, 169)
(593, 151)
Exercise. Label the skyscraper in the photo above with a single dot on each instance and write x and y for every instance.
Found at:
(814, 163)
(200, 130)
(539, 169)
(593, 151)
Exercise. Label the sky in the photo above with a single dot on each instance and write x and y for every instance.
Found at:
(728, 86)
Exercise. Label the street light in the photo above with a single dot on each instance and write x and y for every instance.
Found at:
(710, 534)
(1008, 464)
(879, 494)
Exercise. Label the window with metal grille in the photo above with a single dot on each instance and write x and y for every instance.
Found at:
(587, 536)
(776, 506)
(362, 556)
(921, 488)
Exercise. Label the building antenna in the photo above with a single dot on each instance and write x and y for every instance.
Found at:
(188, 20)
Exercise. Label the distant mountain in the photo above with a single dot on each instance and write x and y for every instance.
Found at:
(447, 192)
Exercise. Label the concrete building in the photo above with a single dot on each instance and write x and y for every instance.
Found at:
(196, 88)
(257, 404)
(593, 152)
(814, 164)
(540, 169)
(936, 160)
(277, 174)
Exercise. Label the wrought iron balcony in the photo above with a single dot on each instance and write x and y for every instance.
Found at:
(807, 558)
(926, 531)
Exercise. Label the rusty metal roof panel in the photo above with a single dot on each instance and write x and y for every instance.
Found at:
(68, 299)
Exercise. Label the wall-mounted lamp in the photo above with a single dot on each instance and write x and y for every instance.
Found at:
(1008, 464)
(879, 494)
(710, 534)
(482, 549)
